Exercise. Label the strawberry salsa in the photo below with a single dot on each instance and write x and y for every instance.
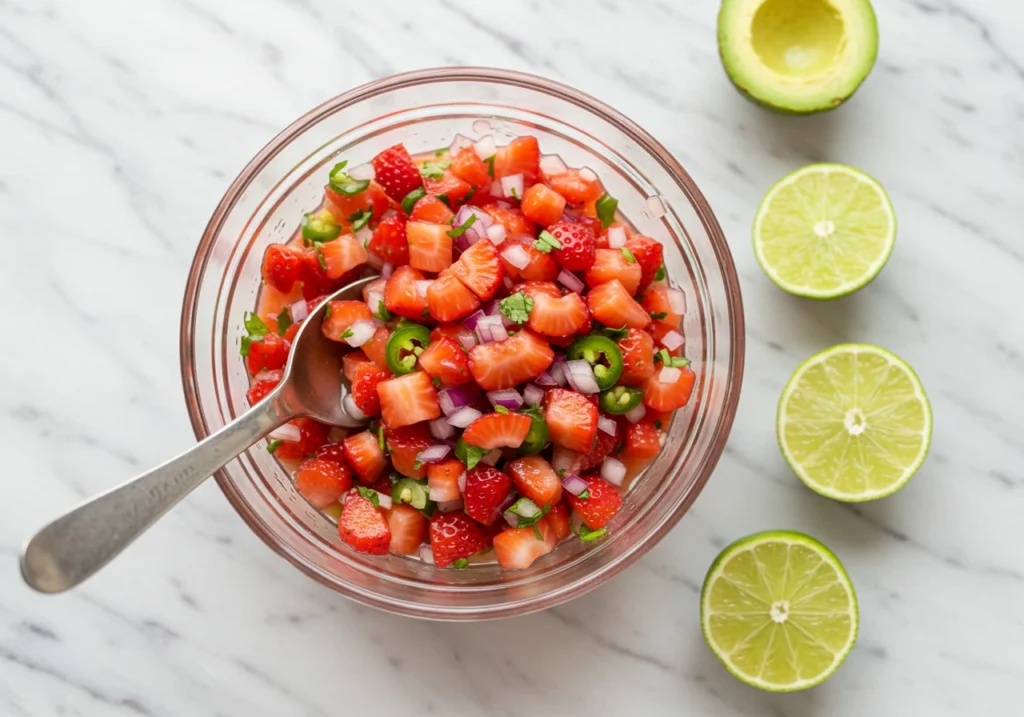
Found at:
(518, 358)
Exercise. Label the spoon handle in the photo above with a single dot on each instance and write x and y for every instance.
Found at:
(83, 540)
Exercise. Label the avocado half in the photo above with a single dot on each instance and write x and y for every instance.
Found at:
(797, 56)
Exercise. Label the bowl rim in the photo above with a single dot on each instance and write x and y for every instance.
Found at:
(723, 256)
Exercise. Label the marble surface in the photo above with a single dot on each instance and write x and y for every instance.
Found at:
(121, 124)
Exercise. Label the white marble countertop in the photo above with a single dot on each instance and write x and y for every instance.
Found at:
(121, 124)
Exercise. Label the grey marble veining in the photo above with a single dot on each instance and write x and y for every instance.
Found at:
(117, 138)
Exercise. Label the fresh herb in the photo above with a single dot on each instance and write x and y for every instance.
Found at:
(680, 362)
(587, 535)
(436, 381)
(380, 439)
(629, 255)
(382, 312)
(342, 183)
(425, 313)
(361, 218)
(606, 207)
(370, 494)
(345, 334)
(560, 472)
(663, 356)
(465, 199)
(411, 198)
(417, 464)
(659, 275)
(444, 198)
(546, 242)
(327, 311)
(469, 454)
(674, 361)
(320, 258)
(584, 495)
(441, 152)
(657, 423)
(527, 514)
(490, 165)
(461, 229)
(619, 447)
(617, 334)
(256, 330)
(658, 314)
(515, 194)
(434, 170)
(500, 409)
(460, 564)
(273, 446)
(516, 307)
(284, 321)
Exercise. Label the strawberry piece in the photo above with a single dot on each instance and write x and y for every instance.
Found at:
(312, 435)
(364, 387)
(637, 349)
(612, 264)
(503, 364)
(404, 444)
(541, 267)
(362, 526)
(282, 266)
(579, 247)
(612, 305)
(322, 482)
(432, 210)
(342, 207)
(649, 255)
(352, 361)
(498, 430)
(518, 548)
(458, 332)
(559, 522)
(364, 454)
(604, 444)
(402, 295)
(408, 529)
(520, 156)
(467, 166)
(267, 353)
(669, 396)
(448, 299)
(341, 315)
(571, 418)
(332, 452)
(396, 172)
(447, 361)
(576, 189)
(443, 480)
(534, 478)
(598, 508)
(342, 255)
(513, 220)
(430, 247)
(534, 289)
(267, 382)
(389, 241)
(408, 399)
(543, 205)
(454, 536)
(656, 303)
(641, 440)
(480, 269)
(376, 348)
(448, 186)
(563, 316)
(486, 489)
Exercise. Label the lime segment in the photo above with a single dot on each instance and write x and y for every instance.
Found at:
(779, 611)
(824, 231)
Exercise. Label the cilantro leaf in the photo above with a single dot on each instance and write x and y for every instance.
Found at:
(606, 207)
(500, 409)
(361, 218)
(436, 381)
(441, 152)
(546, 242)
(629, 255)
(320, 258)
(434, 170)
(616, 334)
(660, 274)
(517, 307)
(584, 495)
(490, 165)
(382, 312)
(254, 325)
(587, 535)
(461, 229)
(444, 198)
(284, 321)
(460, 564)
(346, 333)
(273, 446)
(370, 494)
(659, 314)
(657, 423)
(380, 439)
(469, 454)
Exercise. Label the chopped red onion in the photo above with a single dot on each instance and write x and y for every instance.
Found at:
(348, 405)
(427, 554)
(433, 454)
(299, 310)
(509, 398)
(449, 506)
(570, 281)
(491, 458)
(581, 377)
(607, 425)
(459, 143)
(386, 270)
(383, 500)
(483, 219)
(558, 372)
(588, 174)
(507, 503)
(363, 236)
(464, 416)
(452, 399)
(287, 432)
(562, 459)
(422, 285)
(533, 394)
(470, 321)
(672, 340)
(440, 429)
(496, 233)
(485, 147)
(491, 328)
(677, 300)
(363, 171)
(512, 186)
(655, 207)
(669, 374)
(637, 414)
(545, 379)
(461, 480)
(362, 331)
(507, 282)
(516, 256)
(468, 341)
(616, 237)
(374, 299)
(613, 470)
(552, 164)
(481, 126)
(574, 484)
(501, 203)
(495, 190)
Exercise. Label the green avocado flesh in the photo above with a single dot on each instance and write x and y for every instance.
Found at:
(797, 56)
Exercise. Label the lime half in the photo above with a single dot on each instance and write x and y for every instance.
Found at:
(854, 422)
(824, 231)
(779, 611)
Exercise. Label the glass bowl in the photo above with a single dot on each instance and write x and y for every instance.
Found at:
(425, 109)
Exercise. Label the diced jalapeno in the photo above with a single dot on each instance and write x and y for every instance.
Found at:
(621, 399)
(603, 354)
(405, 346)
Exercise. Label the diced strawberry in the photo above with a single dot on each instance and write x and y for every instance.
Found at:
(433, 210)
(448, 187)
(541, 267)
(600, 506)
(641, 440)
(559, 522)
(264, 385)
(396, 172)
(343, 207)
(612, 305)
(362, 526)
(332, 452)
(352, 361)
(563, 316)
(402, 295)
(512, 219)
(518, 548)
(382, 485)
(443, 480)
(375, 349)
(364, 387)
(454, 536)
(430, 247)
(656, 303)
(576, 189)
(480, 269)
(536, 479)
(448, 299)
(341, 315)
(458, 332)
(612, 264)
(408, 399)
(503, 364)
(267, 353)
(282, 266)
(364, 454)
(322, 482)
(446, 360)
(604, 444)
(520, 156)
(408, 529)
(342, 255)
(312, 435)
(543, 205)
(569, 461)
(389, 241)
(649, 255)
(498, 430)
(662, 396)
(404, 444)
(637, 349)
(486, 489)
(534, 289)
(579, 247)
(273, 302)
(467, 166)
(571, 419)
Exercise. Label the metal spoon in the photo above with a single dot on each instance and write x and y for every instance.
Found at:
(83, 540)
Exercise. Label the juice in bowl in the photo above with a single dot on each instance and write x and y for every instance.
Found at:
(527, 300)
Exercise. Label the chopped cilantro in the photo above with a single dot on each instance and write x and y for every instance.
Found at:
(256, 330)
(657, 423)
(417, 464)
(658, 314)
(560, 472)
(461, 229)
(411, 198)
(284, 321)
(546, 242)
(425, 312)
(380, 439)
(617, 334)
(629, 255)
(674, 361)
(273, 446)
(465, 199)
(490, 165)
(370, 494)
(436, 381)
(517, 307)
(584, 495)
(618, 448)
(434, 170)
(361, 218)
(320, 258)
(606, 207)
(469, 454)
(515, 194)
(460, 564)
(382, 312)
(327, 311)
(444, 198)
(441, 152)
(587, 535)
(346, 333)
(660, 274)
(500, 409)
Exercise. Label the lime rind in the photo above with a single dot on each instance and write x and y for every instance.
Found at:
(864, 277)
(790, 538)
(908, 471)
